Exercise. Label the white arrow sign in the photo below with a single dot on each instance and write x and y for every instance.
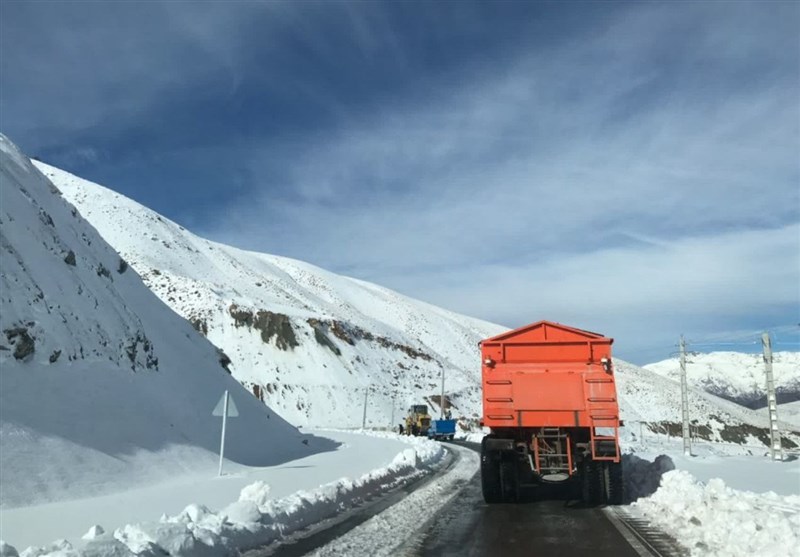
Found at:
(225, 407)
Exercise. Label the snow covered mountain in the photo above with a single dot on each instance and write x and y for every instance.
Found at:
(310, 342)
(655, 402)
(307, 341)
(737, 376)
(103, 386)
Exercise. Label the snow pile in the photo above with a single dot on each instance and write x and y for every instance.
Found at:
(471, 436)
(255, 519)
(714, 520)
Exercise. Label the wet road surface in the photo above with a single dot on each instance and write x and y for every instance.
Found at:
(551, 527)
(542, 524)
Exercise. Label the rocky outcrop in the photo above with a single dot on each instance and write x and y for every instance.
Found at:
(352, 334)
(200, 325)
(322, 338)
(738, 434)
(269, 324)
(139, 350)
(24, 344)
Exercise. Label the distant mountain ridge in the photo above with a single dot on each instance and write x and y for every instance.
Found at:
(737, 376)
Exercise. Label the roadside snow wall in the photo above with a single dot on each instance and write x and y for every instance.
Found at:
(255, 519)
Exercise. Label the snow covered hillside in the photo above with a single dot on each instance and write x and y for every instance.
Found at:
(650, 405)
(306, 341)
(103, 386)
(737, 376)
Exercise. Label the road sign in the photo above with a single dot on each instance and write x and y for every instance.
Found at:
(225, 408)
(220, 407)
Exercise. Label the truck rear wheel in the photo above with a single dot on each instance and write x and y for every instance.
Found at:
(490, 476)
(602, 483)
(614, 483)
(509, 478)
(592, 484)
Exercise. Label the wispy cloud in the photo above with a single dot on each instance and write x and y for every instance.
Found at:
(613, 166)
(586, 182)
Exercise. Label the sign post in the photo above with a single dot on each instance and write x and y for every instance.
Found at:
(225, 407)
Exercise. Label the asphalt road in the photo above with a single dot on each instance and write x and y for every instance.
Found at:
(544, 522)
(552, 527)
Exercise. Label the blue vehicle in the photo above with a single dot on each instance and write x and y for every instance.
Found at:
(442, 429)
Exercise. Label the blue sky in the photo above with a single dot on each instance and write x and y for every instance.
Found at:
(630, 168)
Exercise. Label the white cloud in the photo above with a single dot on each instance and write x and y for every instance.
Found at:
(576, 183)
(651, 157)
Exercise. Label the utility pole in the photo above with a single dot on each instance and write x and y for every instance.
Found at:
(441, 400)
(772, 401)
(687, 442)
(364, 418)
(391, 421)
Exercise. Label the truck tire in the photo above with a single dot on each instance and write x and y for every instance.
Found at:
(614, 483)
(490, 478)
(509, 478)
(592, 483)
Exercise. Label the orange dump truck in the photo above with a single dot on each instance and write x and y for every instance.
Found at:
(550, 400)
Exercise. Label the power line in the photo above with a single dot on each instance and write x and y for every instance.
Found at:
(745, 337)
(692, 343)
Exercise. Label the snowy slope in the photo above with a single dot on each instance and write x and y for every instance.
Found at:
(103, 386)
(655, 402)
(307, 340)
(737, 376)
(321, 338)
(788, 412)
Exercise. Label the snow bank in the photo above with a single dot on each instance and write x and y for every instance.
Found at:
(712, 519)
(392, 532)
(254, 519)
(472, 434)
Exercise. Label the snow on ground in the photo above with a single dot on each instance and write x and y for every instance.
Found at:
(384, 533)
(272, 503)
(712, 519)
(746, 467)
(471, 436)
(717, 503)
